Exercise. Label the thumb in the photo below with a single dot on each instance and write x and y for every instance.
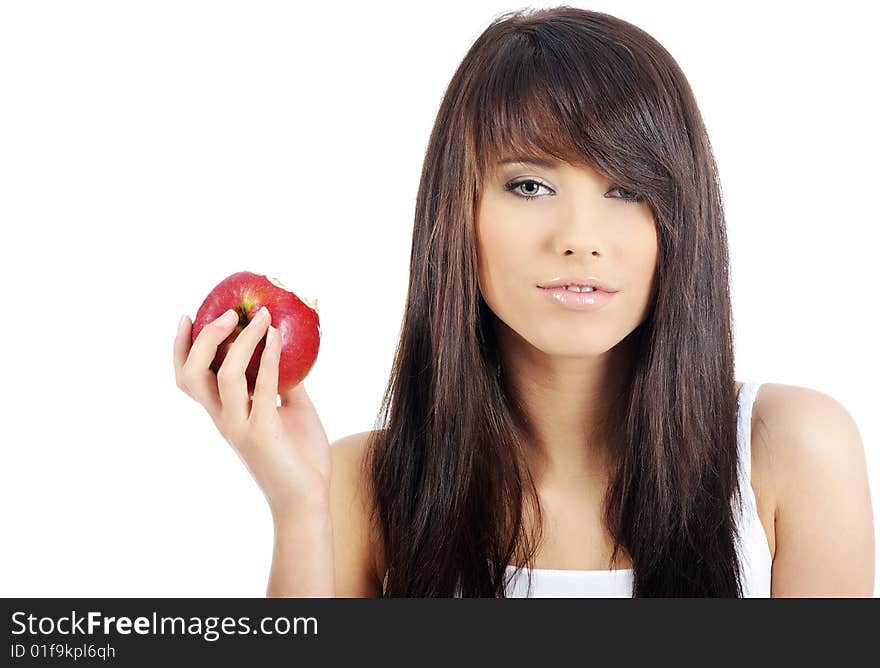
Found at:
(296, 396)
(307, 422)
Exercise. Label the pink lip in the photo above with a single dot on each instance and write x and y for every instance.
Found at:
(578, 301)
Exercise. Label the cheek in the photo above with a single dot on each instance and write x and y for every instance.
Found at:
(501, 257)
(642, 256)
(653, 254)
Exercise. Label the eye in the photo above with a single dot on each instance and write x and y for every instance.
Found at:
(514, 186)
(533, 185)
(628, 195)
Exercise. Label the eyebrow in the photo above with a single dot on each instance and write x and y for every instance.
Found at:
(550, 164)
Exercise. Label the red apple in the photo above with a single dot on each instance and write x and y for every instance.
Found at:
(295, 318)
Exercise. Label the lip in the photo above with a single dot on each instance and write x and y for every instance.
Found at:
(594, 281)
(578, 301)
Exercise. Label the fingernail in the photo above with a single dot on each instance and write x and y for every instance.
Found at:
(260, 315)
(226, 319)
(180, 324)
(270, 336)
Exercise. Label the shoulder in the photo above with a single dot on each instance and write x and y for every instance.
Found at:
(805, 426)
(807, 435)
(349, 450)
(816, 464)
(350, 503)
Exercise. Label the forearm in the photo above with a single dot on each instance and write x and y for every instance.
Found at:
(302, 558)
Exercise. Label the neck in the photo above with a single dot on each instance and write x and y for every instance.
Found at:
(566, 403)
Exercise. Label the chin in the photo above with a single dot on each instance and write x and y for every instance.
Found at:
(570, 344)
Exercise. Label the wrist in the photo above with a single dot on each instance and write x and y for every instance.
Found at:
(311, 514)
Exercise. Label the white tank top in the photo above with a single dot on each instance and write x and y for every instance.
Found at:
(751, 541)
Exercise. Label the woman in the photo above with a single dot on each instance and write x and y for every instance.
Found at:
(536, 439)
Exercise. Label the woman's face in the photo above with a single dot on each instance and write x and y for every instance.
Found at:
(578, 224)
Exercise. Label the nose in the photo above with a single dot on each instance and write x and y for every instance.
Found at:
(578, 232)
(594, 252)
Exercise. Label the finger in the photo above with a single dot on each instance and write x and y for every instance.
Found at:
(266, 387)
(182, 344)
(231, 379)
(200, 379)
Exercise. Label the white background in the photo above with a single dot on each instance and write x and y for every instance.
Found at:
(149, 149)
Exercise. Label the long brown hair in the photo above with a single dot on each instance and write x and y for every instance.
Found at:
(446, 459)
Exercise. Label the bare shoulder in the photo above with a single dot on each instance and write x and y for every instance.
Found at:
(803, 426)
(350, 503)
(814, 461)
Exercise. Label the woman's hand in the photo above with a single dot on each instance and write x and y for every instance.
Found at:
(284, 447)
